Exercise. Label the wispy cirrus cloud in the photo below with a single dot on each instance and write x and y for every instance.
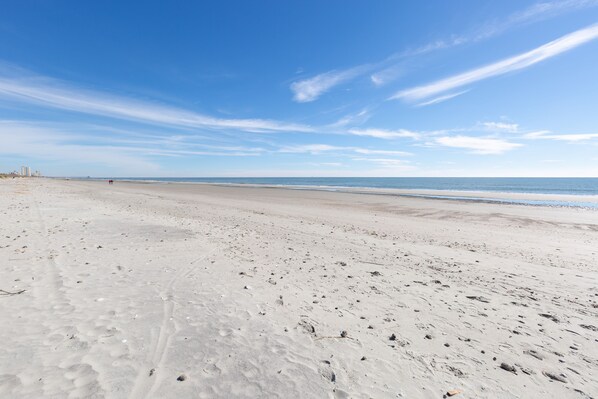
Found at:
(477, 145)
(440, 99)
(572, 137)
(385, 134)
(49, 93)
(386, 75)
(309, 148)
(389, 69)
(388, 163)
(50, 140)
(43, 143)
(352, 119)
(328, 164)
(501, 127)
(326, 148)
(379, 152)
(536, 12)
(311, 89)
(518, 62)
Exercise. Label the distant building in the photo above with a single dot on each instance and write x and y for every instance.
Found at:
(25, 171)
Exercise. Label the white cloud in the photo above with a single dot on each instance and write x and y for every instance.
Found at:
(378, 152)
(386, 75)
(45, 144)
(399, 164)
(51, 94)
(76, 145)
(321, 148)
(377, 79)
(385, 134)
(548, 8)
(536, 12)
(477, 145)
(547, 135)
(328, 164)
(311, 89)
(310, 148)
(454, 40)
(511, 64)
(441, 98)
(501, 127)
(536, 134)
(352, 119)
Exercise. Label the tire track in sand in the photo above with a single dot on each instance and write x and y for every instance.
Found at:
(146, 384)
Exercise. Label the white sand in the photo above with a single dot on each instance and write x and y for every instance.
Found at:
(129, 286)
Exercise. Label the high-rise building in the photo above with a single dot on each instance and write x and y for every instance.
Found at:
(25, 171)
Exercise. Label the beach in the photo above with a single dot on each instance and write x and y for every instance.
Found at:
(153, 290)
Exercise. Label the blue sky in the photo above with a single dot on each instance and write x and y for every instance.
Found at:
(310, 88)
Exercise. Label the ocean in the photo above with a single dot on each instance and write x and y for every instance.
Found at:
(572, 186)
(561, 186)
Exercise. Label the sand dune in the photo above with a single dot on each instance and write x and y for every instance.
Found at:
(196, 291)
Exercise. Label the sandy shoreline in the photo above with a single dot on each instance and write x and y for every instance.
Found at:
(123, 291)
(448, 194)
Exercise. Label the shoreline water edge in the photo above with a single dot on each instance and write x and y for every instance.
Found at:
(522, 197)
